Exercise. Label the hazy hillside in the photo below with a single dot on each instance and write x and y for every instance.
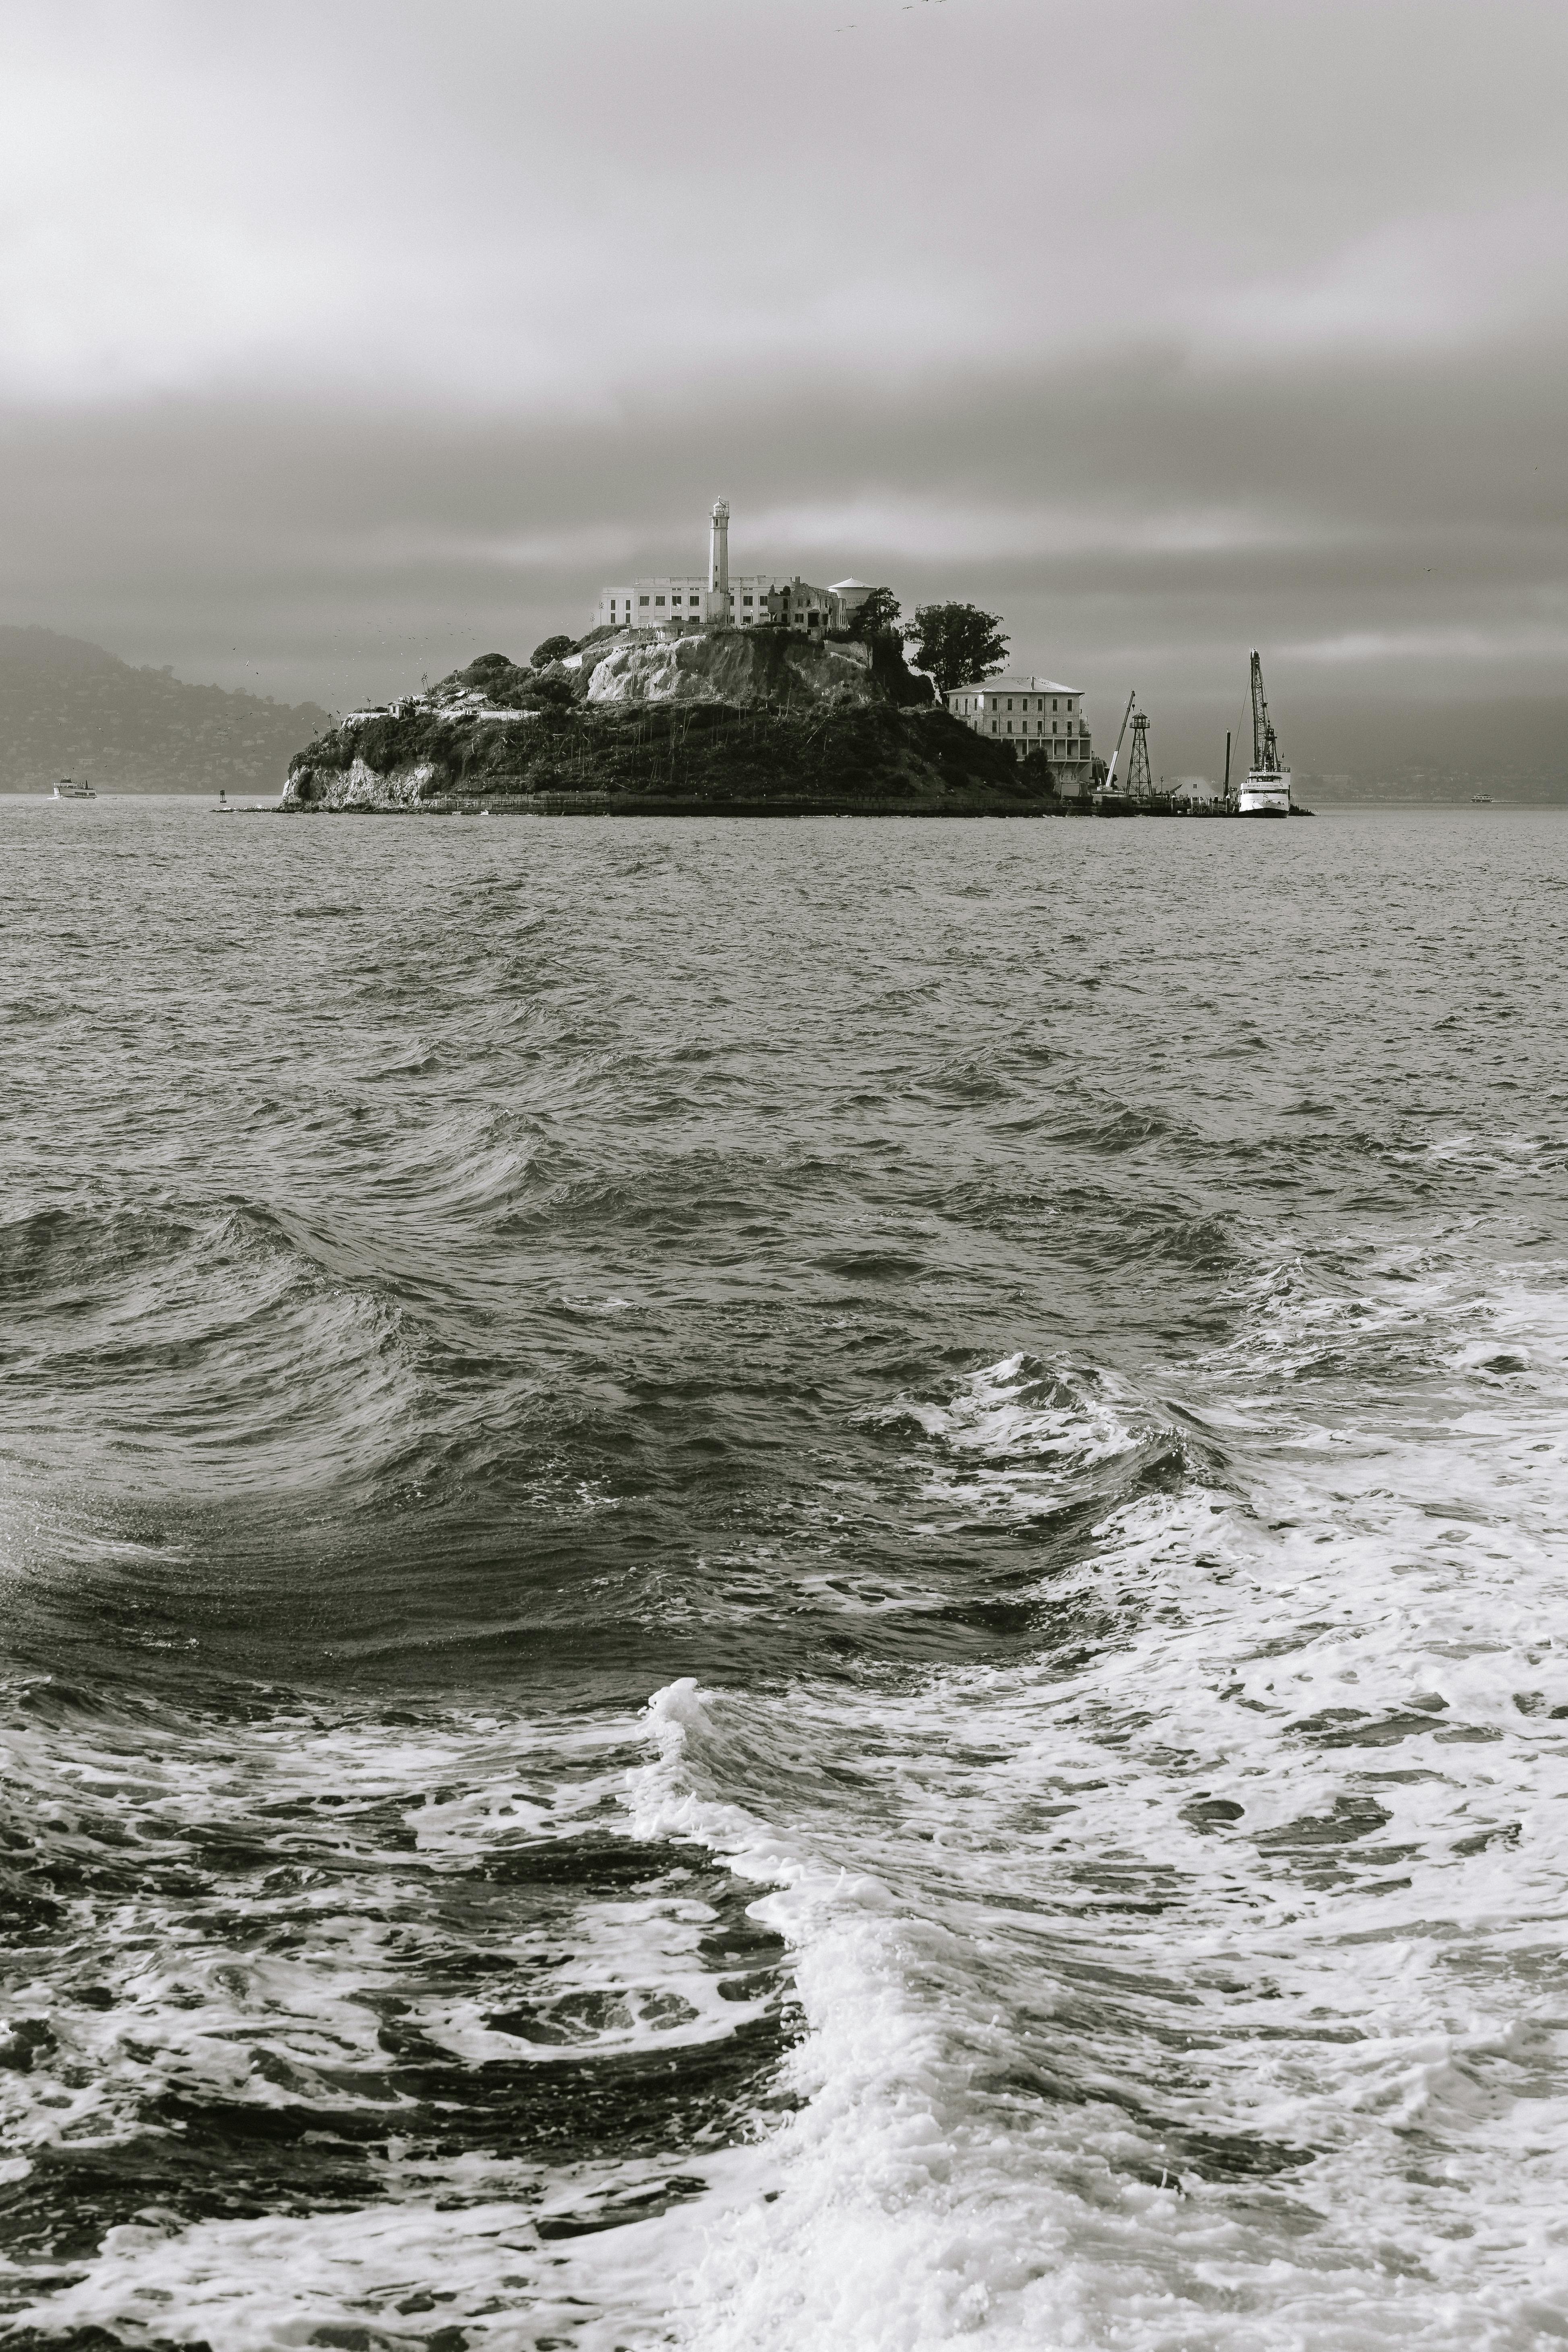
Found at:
(68, 708)
(1344, 749)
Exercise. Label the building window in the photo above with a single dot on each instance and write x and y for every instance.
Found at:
(642, 600)
(994, 727)
(1009, 727)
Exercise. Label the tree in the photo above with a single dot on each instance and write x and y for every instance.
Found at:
(553, 649)
(875, 615)
(485, 669)
(957, 643)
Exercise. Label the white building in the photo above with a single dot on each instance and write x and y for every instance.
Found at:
(752, 600)
(1030, 714)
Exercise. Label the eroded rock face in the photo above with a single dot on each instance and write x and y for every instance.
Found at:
(359, 786)
(732, 666)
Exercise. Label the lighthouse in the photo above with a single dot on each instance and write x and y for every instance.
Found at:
(717, 601)
(679, 602)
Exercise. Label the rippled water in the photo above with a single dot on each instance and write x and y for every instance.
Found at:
(793, 1586)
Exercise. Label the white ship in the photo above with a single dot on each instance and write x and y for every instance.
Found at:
(66, 791)
(1266, 791)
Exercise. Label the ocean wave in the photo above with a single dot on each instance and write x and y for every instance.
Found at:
(150, 1343)
(1024, 1437)
(1064, 1408)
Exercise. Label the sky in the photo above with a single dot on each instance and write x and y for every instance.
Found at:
(340, 342)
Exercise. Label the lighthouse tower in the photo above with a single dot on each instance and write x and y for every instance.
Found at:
(716, 604)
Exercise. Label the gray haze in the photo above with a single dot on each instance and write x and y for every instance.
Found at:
(338, 343)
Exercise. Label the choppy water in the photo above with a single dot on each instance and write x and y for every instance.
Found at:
(783, 1586)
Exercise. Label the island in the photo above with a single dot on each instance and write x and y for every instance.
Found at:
(625, 721)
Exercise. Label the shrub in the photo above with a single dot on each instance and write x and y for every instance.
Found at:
(554, 649)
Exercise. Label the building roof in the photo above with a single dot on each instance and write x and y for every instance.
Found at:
(1015, 682)
(839, 586)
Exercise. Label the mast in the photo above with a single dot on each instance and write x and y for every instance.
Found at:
(1227, 793)
(1265, 749)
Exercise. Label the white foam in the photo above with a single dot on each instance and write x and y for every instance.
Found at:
(276, 2001)
(1022, 1436)
(1072, 1971)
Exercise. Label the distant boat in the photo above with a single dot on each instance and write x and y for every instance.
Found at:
(66, 791)
(1482, 799)
(1266, 791)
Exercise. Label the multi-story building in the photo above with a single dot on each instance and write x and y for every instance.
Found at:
(1030, 714)
(752, 599)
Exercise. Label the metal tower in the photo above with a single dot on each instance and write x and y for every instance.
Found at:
(1140, 781)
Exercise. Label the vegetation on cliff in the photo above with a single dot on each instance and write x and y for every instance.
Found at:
(708, 721)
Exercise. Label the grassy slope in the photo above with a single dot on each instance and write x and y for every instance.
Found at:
(706, 754)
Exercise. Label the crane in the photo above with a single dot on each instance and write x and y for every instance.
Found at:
(1265, 749)
(1109, 784)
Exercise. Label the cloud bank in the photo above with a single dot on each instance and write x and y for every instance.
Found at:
(352, 339)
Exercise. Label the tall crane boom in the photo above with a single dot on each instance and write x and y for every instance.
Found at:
(1109, 784)
(1265, 749)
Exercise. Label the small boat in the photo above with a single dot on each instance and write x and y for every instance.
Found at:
(66, 791)
(1266, 791)
(1481, 800)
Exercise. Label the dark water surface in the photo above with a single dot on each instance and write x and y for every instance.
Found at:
(795, 1586)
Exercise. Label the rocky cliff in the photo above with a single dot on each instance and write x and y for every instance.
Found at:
(736, 666)
(745, 722)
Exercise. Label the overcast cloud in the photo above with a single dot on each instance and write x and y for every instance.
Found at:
(340, 342)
